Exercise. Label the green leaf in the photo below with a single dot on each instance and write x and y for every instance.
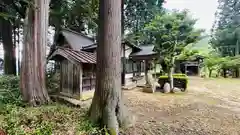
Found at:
(6, 16)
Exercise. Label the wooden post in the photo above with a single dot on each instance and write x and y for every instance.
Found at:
(90, 82)
(80, 80)
(155, 68)
(133, 68)
(146, 72)
(140, 69)
(185, 65)
(199, 70)
(61, 79)
(124, 66)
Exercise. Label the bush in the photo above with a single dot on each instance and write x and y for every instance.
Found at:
(9, 90)
(52, 81)
(179, 80)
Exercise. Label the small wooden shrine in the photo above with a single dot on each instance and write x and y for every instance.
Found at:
(190, 67)
(77, 71)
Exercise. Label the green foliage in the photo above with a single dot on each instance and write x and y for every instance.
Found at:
(214, 62)
(9, 90)
(45, 120)
(231, 62)
(203, 46)
(52, 81)
(172, 32)
(175, 76)
(138, 13)
(180, 80)
(226, 30)
(188, 55)
(77, 15)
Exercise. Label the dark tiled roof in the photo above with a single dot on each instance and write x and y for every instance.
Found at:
(93, 46)
(131, 44)
(145, 51)
(76, 40)
(74, 56)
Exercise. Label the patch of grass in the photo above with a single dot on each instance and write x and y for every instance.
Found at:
(45, 120)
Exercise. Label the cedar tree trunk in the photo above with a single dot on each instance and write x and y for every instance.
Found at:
(9, 49)
(124, 45)
(7, 40)
(107, 107)
(33, 85)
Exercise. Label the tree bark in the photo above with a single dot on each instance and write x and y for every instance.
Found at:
(170, 74)
(8, 47)
(210, 73)
(237, 72)
(33, 85)
(124, 45)
(107, 107)
(224, 73)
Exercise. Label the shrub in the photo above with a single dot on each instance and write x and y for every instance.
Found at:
(179, 80)
(9, 90)
(53, 81)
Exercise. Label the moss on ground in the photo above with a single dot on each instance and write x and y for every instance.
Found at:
(45, 120)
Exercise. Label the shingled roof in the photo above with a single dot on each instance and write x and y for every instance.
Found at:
(74, 56)
(146, 51)
(94, 46)
(76, 40)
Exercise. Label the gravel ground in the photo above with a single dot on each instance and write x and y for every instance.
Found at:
(209, 107)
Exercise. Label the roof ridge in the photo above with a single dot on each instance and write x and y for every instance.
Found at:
(79, 51)
(78, 33)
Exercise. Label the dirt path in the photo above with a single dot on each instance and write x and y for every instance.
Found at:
(209, 107)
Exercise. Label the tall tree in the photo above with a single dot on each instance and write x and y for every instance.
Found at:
(7, 39)
(226, 30)
(34, 53)
(138, 13)
(172, 32)
(107, 106)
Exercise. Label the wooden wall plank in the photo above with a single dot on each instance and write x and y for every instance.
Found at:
(80, 79)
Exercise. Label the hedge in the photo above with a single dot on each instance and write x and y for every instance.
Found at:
(179, 80)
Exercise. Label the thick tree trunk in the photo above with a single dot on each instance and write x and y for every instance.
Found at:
(210, 73)
(225, 73)
(170, 74)
(34, 54)
(122, 18)
(124, 46)
(107, 107)
(8, 47)
(18, 46)
(237, 72)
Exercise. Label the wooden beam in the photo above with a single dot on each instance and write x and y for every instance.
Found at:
(80, 81)
(61, 77)
(146, 71)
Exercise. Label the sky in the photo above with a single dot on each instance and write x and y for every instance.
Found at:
(203, 10)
